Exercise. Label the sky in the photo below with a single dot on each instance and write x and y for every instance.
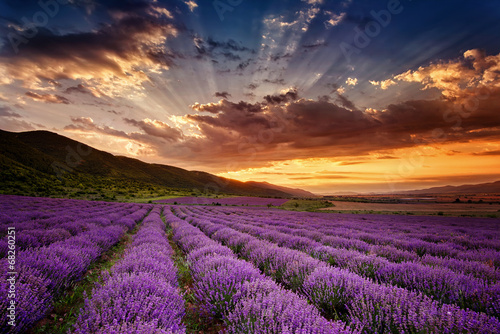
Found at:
(328, 96)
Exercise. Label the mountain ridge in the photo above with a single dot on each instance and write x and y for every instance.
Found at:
(489, 187)
(44, 159)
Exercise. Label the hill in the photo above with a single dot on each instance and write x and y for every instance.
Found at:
(43, 163)
(483, 188)
(293, 191)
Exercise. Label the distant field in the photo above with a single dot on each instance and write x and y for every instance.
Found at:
(252, 201)
(420, 208)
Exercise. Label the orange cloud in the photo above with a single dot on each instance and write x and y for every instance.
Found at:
(459, 78)
(48, 98)
(385, 84)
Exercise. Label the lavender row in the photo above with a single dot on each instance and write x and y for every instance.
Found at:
(236, 292)
(442, 284)
(44, 273)
(140, 294)
(341, 294)
(468, 267)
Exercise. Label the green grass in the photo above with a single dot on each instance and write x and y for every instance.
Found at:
(305, 205)
(67, 306)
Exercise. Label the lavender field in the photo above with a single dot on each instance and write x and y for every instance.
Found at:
(208, 269)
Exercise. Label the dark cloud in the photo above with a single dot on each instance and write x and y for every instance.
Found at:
(351, 163)
(227, 106)
(345, 102)
(227, 45)
(333, 86)
(324, 98)
(243, 65)
(388, 157)
(314, 45)
(115, 55)
(224, 94)
(487, 153)
(279, 56)
(231, 56)
(289, 96)
(78, 89)
(252, 86)
(211, 48)
(280, 82)
(306, 128)
(48, 98)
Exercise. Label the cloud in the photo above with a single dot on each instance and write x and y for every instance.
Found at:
(334, 19)
(113, 58)
(291, 28)
(48, 98)
(243, 65)
(86, 124)
(7, 112)
(78, 89)
(459, 78)
(351, 163)
(387, 157)
(315, 45)
(224, 94)
(385, 84)
(191, 4)
(252, 86)
(157, 128)
(307, 128)
(224, 106)
(487, 153)
(211, 48)
(352, 81)
(325, 177)
(345, 102)
(285, 96)
(285, 126)
(16, 124)
(279, 82)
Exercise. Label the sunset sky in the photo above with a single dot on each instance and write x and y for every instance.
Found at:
(327, 96)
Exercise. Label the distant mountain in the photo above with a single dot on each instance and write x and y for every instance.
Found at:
(343, 193)
(43, 163)
(293, 191)
(483, 188)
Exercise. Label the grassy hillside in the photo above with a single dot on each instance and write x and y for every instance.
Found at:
(42, 163)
